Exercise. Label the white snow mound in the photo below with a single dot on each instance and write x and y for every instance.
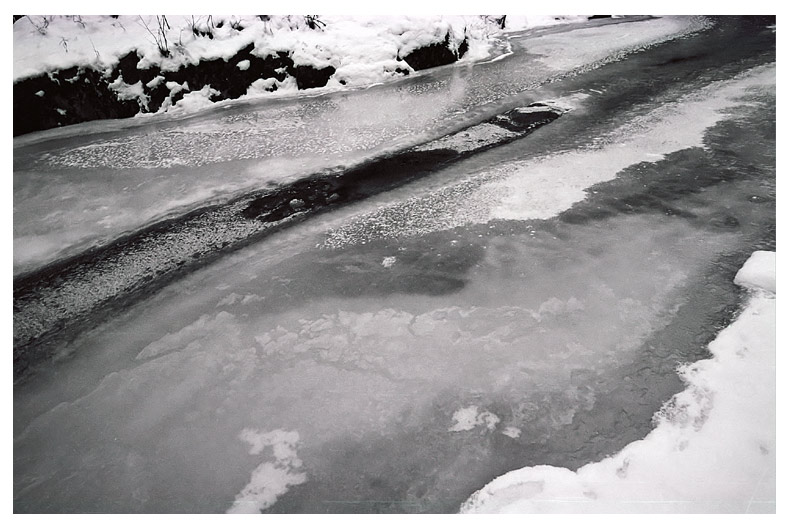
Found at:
(759, 272)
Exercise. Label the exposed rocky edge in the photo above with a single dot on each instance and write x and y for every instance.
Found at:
(437, 54)
(54, 303)
(77, 95)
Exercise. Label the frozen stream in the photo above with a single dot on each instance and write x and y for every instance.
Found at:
(84, 185)
(397, 354)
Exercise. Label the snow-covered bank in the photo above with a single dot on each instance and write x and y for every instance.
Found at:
(72, 69)
(714, 445)
(363, 49)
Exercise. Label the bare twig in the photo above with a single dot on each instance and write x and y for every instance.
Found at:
(160, 37)
(313, 22)
(98, 57)
(42, 28)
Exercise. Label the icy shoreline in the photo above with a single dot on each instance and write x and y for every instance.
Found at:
(714, 446)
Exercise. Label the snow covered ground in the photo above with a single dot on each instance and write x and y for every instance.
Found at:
(682, 466)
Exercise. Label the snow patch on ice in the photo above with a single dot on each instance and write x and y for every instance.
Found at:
(543, 187)
(548, 186)
(471, 138)
(511, 432)
(271, 479)
(236, 298)
(468, 418)
(714, 445)
(190, 336)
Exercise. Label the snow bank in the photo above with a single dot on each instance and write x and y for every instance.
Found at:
(759, 272)
(714, 445)
(363, 49)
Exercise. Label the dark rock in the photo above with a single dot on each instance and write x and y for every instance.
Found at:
(437, 54)
(81, 95)
(85, 95)
(311, 77)
(593, 17)
(69, 75)
(157, 96)
(527, 118)
(463, 47)
(127, 68)
(148, 75)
